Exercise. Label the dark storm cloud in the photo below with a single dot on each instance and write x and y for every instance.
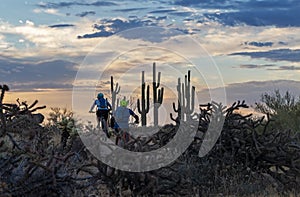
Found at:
(83, 14)
(275, 55)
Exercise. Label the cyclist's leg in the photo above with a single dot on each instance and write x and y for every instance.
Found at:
(117, 134)
(98, 117)
(126, 135)
(104, 123)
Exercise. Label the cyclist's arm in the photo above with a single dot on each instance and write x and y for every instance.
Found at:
(134, 115)
(131, 112)
(108, 104)
(93, 105)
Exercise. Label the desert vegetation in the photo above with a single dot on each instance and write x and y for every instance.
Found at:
(252, 156)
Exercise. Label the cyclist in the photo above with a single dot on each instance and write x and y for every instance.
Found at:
(121, 118)
(103, 108)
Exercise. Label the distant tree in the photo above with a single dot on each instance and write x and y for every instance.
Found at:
(284, 109)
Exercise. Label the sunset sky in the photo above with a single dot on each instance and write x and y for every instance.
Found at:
(246, 46)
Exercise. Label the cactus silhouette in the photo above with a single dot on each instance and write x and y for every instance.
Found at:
(186, 99)
(143, 105)
(179, 101)
(188, 104)
(114, 91)
(3, 88)
(158, 94)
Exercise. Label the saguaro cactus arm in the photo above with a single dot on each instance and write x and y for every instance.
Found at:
(114, 91)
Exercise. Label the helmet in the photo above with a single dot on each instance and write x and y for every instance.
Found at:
(123, 103)
(100, 95)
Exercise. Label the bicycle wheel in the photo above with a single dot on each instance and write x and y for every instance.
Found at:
(104, 126)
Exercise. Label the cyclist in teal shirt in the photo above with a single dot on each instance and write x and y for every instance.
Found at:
(103, 108)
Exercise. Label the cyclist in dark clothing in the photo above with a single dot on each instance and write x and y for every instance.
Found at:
(103, 108)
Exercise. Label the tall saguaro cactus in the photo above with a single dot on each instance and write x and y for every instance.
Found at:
(143, 105)
(179, 103)
(189, 105)
(186, 99)
(114, 91)
(158, 94)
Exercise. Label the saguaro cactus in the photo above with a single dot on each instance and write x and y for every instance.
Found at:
(186, 99)
(179, 103)
(3, 88)
(143, 106)
(114, 91)
(158, 94)
(189, 105)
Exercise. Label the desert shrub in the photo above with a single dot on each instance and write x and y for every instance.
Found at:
(284, 109)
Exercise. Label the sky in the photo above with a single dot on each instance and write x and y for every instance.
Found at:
(236, 50)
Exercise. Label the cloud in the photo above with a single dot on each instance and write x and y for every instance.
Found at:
(47, 11)
(250, 12)
(108, 27)
(259, 13)
(181, 14)
(255, 66)
(129, 9)
(4, 44)
(42, 41)
(61, 25)
(259, 44)
(46, 74)
(69, 4)
(239, 5)
(162, 11)
(275, 55)
(207, 3)
(286, 68)
(251, 91)
(83, 14)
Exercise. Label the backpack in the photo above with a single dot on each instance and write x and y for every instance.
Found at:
(101, 104)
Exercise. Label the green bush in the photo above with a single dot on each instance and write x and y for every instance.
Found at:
(284, 109)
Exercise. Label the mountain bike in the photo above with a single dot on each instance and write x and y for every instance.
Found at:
(123, 136)
(104, 123)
